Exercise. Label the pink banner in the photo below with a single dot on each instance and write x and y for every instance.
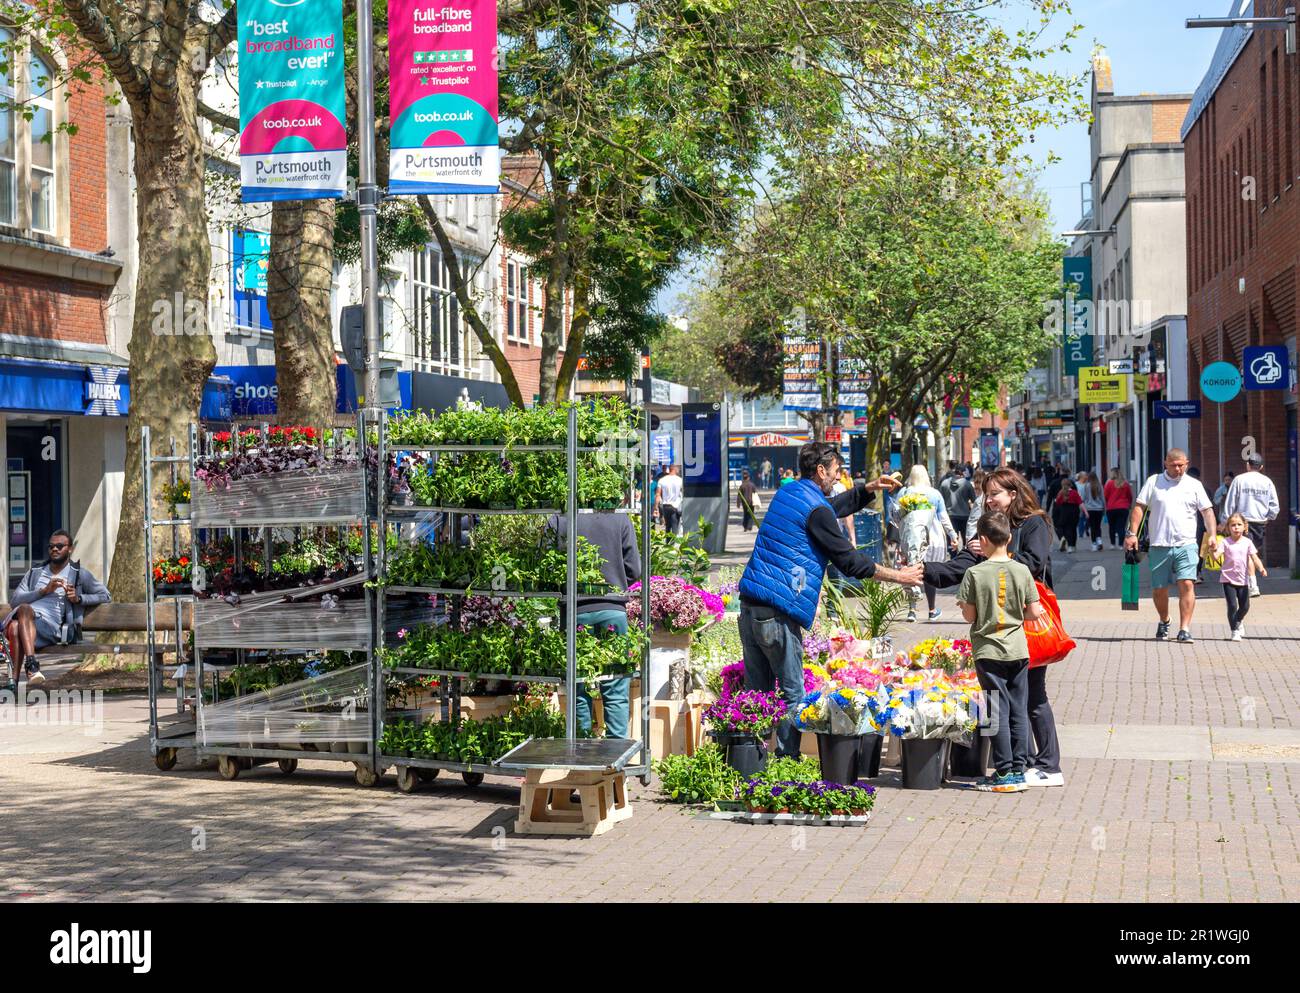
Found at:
(443, 97)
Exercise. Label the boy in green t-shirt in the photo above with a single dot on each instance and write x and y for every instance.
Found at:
(997, 596)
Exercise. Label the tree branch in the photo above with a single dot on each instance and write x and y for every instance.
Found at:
(467, 308)
(97, 30)
(218, 118)
(223, 32)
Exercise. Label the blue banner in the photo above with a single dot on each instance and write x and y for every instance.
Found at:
(292, 136)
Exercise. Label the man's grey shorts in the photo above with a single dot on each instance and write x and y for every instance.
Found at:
(47, 632)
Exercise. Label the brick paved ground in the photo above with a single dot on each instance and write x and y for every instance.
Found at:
(88, 817)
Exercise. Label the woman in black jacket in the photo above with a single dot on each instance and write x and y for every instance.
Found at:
(1007, 491)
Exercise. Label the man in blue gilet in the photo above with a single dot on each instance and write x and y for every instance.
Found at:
(782, 583)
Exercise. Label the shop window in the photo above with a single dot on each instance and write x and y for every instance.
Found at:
(27, 198)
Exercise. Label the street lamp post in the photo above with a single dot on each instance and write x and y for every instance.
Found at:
(1287, 23)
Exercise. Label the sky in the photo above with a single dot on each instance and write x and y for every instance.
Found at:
(1151, 51)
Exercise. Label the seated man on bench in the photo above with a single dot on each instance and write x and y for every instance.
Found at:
(49, 606)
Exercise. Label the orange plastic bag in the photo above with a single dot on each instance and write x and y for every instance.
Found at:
(1047, 639)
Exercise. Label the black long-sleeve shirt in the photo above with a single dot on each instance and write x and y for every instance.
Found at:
(824, 531)
(1031, 545)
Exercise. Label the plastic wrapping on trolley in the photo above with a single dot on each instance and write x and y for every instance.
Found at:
(262, 620)
(330, 712)
(326, 494)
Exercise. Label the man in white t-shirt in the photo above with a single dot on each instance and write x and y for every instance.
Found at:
(669, 499)
(1173, 499)
(1254, 497)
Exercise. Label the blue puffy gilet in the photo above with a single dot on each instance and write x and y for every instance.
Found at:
(781, 548)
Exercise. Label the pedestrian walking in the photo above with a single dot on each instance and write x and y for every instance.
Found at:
(1094, 506)
(1240, 563)
(1254, 497)
(942, 536)
(1066, 510)
(781, 585)
(1221, 496)
(1119, 499)
(747, 500)
(959, 496)
(1171, 502)
(1054, 484)
(669, 497)
(996, 597)
(1006, 492)
(1038, 480)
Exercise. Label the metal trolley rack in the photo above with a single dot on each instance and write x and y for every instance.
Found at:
(413, 770)
(315, 509)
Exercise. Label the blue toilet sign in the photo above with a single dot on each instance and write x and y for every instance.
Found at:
(1220, 382)
(1265, 367)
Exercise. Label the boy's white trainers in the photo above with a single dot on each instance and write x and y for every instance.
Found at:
(1236, 635)
(1038, 777)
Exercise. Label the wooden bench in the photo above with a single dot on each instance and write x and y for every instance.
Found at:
(127, 617)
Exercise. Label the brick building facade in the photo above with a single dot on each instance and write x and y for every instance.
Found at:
(1243, 235)
(62, 369)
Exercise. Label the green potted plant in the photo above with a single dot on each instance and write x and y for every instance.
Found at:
(177, 495)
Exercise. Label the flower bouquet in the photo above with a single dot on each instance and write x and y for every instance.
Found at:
(926, 705)
(917, 519)
(948, 655)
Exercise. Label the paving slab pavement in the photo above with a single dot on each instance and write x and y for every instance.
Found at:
(1182, 784)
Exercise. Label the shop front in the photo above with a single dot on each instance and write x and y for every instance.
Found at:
(64, 448)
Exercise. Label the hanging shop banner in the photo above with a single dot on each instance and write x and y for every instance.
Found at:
(1076, 276)
(250, 252)
(853, 381)
(1097, 385)
(443, 97)
(292, 139)
(803, 361)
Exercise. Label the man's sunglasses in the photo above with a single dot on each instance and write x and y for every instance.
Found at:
(62, 544)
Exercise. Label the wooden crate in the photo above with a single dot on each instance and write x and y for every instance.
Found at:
(329, 495)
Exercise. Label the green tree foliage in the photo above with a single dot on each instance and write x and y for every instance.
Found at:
(919, 258)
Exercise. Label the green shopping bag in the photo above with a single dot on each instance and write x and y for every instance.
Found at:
(1132, 572)
(1132, 580)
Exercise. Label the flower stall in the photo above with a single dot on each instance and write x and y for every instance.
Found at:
(275, 575)
(475, 498)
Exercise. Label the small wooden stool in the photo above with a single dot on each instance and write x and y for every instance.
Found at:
(545, 807)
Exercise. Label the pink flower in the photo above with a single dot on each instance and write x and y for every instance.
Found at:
(402, 633)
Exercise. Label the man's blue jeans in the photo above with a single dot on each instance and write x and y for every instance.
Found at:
(773, 647)
(614, 693)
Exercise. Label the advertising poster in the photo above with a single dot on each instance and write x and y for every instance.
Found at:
(292, 136)
(854, 380)
(1097, 385)
(443, 96)
(803, 361)
(250, 254)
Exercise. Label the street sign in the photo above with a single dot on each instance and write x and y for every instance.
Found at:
(835, 435)
(960, 416)
(1176, 410)
(1140, 385)
(1097, 385)
(1121, 367)
(1220, 381)
(1076, 333)
(1265, 367)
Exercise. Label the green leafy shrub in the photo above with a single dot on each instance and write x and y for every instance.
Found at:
(700, 778)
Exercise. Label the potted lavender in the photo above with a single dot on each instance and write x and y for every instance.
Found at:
(739, 722)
